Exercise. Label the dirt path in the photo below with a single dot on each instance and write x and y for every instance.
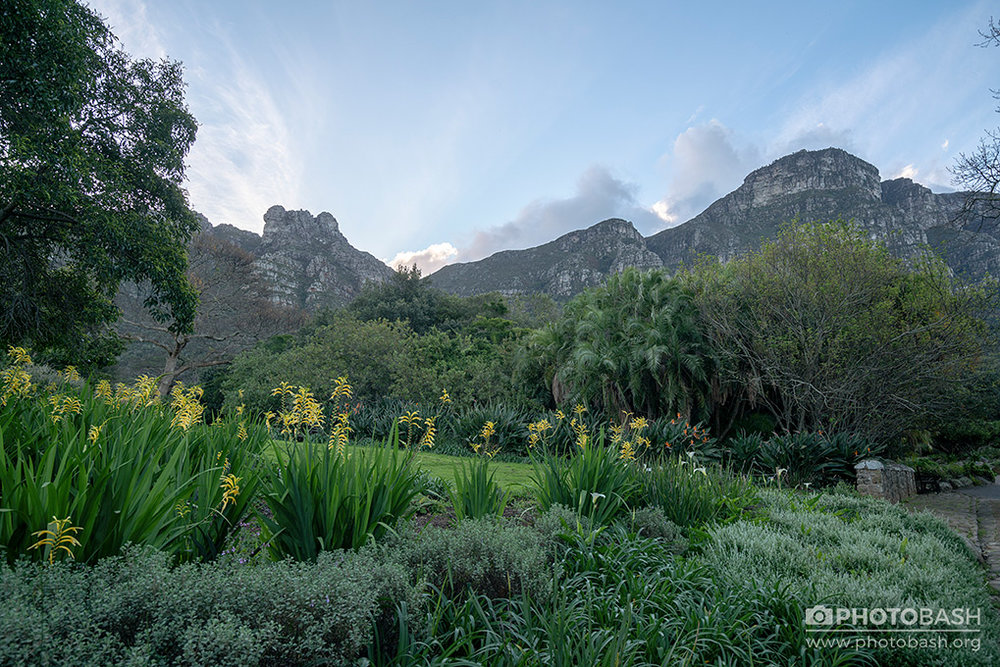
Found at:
(973, 513)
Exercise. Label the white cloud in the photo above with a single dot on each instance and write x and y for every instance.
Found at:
(944, 146)
(599, 196)
(243, 161)
(705, 164)
(428, 260)
(909, 171)
(662, 211)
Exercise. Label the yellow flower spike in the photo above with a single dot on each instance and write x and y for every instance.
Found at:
(284, 389)
(444, 398)
(241, 432)
(341, 389)
(15, 381)
(559, 415)
(230, 490)
(428, 439)
(627, 453)
(58, 536)
(103, 390)
(95, 432)
(639, 423)
(579, 409)
(18, 356)
(70, 374)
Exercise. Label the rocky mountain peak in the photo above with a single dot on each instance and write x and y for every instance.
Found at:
(281, 226)
(561, 268)
(827, 169)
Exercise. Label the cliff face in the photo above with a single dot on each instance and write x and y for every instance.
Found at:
(806, 186)
(560, 268)
(307, 261)
(825, 185)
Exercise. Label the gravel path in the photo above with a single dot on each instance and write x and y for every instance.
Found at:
(973, 513)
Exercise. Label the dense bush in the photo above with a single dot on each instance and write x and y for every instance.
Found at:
(633, 344)
(482, 556)
(800, 458)
(137, 609)
(691, 493)
(827, 331)
(321, 500)
(854, 551)
(381, 359)
(595, 482)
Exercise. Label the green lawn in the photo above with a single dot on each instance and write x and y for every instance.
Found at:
(515, 477)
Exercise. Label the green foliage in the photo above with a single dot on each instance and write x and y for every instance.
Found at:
(320, 501)
(594, 482)
(406, 297)
(827, 332)
(801, 458)
(139, 480)
(693, 495)
(384, 359)
(136, 608)
(92, 147)
(853, 551)
(494, 558)
(633, 344)
(476, 495)
(510, 434)
(963, 435)
(652, 522)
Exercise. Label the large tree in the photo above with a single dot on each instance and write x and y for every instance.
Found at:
(234, 313)
(827, 331)
(92, 147)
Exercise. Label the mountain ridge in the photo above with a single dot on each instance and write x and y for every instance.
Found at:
(807, 185)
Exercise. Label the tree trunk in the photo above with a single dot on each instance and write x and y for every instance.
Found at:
(170, 366)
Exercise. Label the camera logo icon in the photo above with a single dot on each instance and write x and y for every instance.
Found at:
(819, 615)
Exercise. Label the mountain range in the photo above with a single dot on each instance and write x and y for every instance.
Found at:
(806, 186)
(303, 263)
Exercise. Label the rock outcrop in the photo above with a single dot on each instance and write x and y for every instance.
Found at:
(806, 186)
(560, 268)
(824, 185)
(309, 263)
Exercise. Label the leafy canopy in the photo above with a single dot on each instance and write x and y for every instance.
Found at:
(828, 332)
(92, 147)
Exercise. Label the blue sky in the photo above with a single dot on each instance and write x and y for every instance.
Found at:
(451, 130)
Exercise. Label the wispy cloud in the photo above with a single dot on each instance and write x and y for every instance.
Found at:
(915, 90)
(428, 260)
(129, 21)
(242, 161)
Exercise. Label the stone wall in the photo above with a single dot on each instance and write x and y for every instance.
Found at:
(890, 481)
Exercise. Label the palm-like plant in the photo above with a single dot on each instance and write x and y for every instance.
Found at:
(632, 344)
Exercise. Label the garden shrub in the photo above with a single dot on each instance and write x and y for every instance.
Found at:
(559, 519)
(692, 495)
(857, 552)
(137, 609)
(653, 522)
(595, 482)
(494, 558)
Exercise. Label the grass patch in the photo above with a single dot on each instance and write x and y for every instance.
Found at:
(513, 477)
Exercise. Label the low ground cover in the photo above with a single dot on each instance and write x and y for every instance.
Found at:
(246, 550)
